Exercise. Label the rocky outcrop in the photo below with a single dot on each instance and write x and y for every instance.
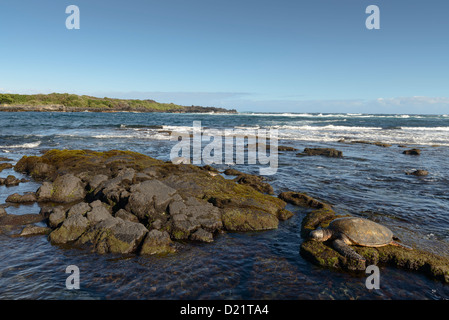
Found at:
(114, 235)
(32, 230)
(157, 242)
(26, 198)
(323, 254)
(413, 152)
(418, 173)
(302, 199)
(256, 182)
(327, 152)
(125, 202)
(64, 189)
(4, 166)
(11, 181)
(375, 143)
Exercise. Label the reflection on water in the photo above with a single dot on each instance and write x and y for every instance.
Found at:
(264, 265)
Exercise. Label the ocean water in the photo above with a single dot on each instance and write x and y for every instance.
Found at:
(369, 181)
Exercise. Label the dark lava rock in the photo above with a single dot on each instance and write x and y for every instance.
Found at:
(327, 152)
(418, 173)
(157, 242)
(126, 202)
(414, 260)
(19, 220)
(323, 254)
(70, 230)
(376, 143)
(125, 215)
(413, 152)
(32, 230)
(202, 235)
(149, 199)
(64, 189)
(10, 181)
(253, 181)
(114, 235)
(4, 166)
(26, 198)
(302, 199)
(286, 148)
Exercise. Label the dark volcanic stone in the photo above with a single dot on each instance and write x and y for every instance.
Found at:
(413, 152)
(327, 152)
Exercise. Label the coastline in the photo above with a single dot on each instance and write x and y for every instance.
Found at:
(63, 108)
(65, 102)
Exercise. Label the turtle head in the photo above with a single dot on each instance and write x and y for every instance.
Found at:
(320, 235)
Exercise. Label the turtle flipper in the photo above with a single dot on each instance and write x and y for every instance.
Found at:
(341, 246)
(397, 244)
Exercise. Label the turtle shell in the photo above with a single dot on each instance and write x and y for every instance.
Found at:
(361, 231)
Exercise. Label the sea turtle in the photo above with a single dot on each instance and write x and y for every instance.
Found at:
(355, 231)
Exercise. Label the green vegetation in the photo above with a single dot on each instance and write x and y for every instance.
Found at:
(85, 102)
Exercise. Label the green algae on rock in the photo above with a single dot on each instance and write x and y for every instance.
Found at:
(145, 204)
(323, 254)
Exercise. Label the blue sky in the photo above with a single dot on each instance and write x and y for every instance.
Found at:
(252, 55)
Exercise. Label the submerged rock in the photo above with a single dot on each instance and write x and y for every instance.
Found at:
(418, 173)
(414, 260)
(286, 148)
(413, 152)
(11, 181)
(323, 254)
(26, 198)
(302, 199)
(34, 231)
(327, 152)
(20, 220)
(376, 143)
(4, 166)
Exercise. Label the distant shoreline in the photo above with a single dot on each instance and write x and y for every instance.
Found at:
(65, 102)
(62, 108)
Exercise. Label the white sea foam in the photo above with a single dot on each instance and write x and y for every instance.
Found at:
(310, 132)
(113, 136)
(29, 145)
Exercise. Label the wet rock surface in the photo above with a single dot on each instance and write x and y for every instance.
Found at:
(326, 152)
(25, 198)
(256, 182)
(375, 143)
(128, 203)
(4, 166)
(11, 181)
(125, 202)
(413, 152)
(419, 173)
(323, 254)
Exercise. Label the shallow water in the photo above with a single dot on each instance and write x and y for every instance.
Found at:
(369, 181)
